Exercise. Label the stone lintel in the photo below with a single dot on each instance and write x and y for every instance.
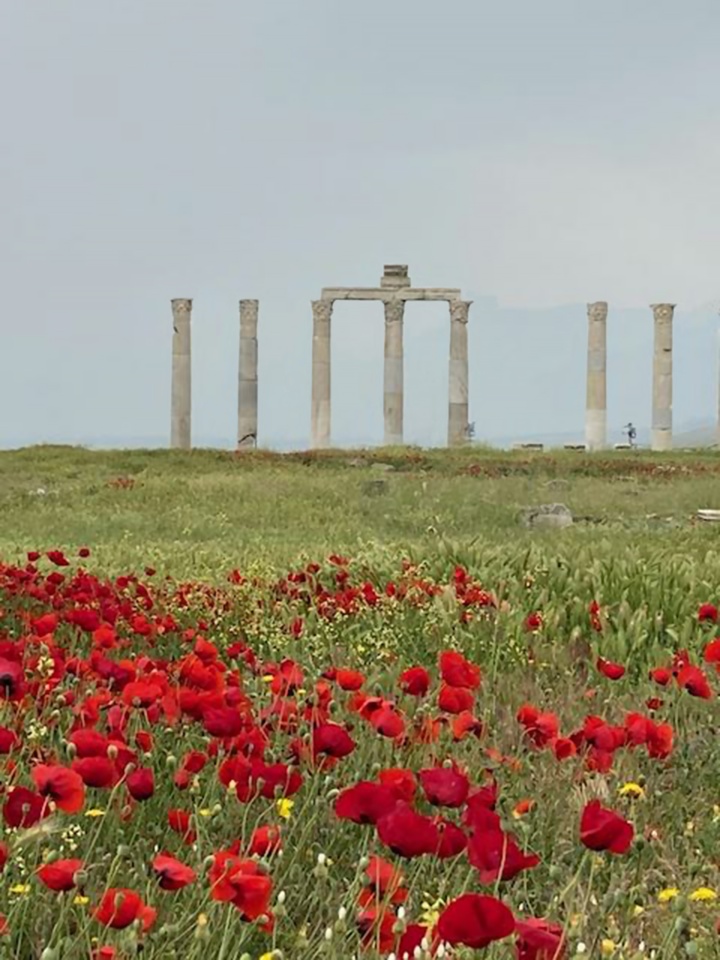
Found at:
(379, 293)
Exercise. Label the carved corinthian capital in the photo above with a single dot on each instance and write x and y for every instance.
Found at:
(459, 310)
(662, 312)
(322, 310)
(394, 311)
(597, 311)
(181, 306)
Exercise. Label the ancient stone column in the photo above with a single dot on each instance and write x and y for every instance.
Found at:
(248, 377)
(662, 377)
(320, 401)
(458, 386)
(393, 376)
(181, 375)
(596, 398)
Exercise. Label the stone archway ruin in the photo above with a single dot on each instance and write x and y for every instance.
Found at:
(394, 292)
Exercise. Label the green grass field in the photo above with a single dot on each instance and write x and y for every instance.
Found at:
(555, 774)
(202, 513)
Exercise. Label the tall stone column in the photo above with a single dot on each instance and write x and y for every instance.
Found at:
(248, 376)
(320, 401)
(180, 426)
(393, 376)
(596, 399)
(662, 377)
(458, 386)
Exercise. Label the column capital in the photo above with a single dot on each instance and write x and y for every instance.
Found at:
(249, 317)
(597, 310)
(181, 306)
(322, 309)
(459, 310)
(663, 311)
(394, 310)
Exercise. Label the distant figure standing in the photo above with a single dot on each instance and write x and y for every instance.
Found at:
(631, 434)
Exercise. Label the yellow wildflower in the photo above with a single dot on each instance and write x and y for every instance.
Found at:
(284, 807)
(668, 894)
(20, 888)
(94, 812)
(202, 920)
(607, 947)
(703, 895)
(431, 913)
(204, 812)
(268, 678)
(631, 789)
(80, 901)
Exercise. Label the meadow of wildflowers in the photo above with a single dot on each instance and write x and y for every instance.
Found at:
(473, 742)
(345, 762)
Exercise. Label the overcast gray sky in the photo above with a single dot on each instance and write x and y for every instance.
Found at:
(537, 153)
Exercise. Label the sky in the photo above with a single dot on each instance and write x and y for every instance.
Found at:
(538, 155)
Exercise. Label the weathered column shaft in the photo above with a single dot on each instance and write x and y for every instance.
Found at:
(393, 375)
(662, 376)
(458, 385)
(248, 376)
(181, 398)
(596, 399)
(320, 401)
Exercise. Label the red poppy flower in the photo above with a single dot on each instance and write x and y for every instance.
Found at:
(540, 728)
(660, 741)
(534, 622)
(445, 786)
(539, 939)
(60, 784)
(496, 856)
(385, 881)
(401, 781)
(241, 882)
(265, 841)
(179, 821)
(411, 940)
(711, 654)
(8, 741)
(332, 740)
(475, 920)
(223, 721)
(349, 679)
(708, 613)
(141, 783)
(171, 873)
(693, 680)
(452, 839)
(60, 874)
(119, 907)
(12, 679)
(99, 772)
(603, 829)
(466, 723)
(456, 671)
(24, 808)
(408, 833)
(661, 676)
(415, 681)
(455, 700)
(366, 802)
(377, 928)
(388, 721)
(57, 557)
(564, 748)
(613, 671)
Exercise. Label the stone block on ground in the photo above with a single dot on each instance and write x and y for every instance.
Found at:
(546, 515)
